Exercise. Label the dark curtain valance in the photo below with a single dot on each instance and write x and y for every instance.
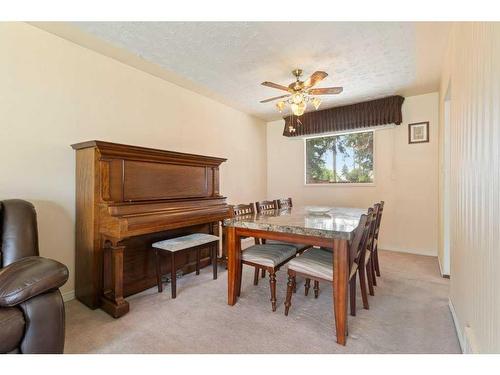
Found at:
(355, 116)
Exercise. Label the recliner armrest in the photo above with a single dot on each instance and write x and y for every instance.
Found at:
(28, 278)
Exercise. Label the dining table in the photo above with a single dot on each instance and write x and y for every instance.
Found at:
(329, 227)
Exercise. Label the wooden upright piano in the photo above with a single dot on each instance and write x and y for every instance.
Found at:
(128, 197)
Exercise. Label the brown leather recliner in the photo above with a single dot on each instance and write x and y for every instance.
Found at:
(31, 306)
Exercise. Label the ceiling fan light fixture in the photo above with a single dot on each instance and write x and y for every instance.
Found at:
(300, 93)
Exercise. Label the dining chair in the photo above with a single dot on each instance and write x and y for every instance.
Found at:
(263, 206)
(369, 264)
(317, 264)
(247, 209)
(264, 256)
(369, 268)
(375, 240)
(266, 205)
(284, 203)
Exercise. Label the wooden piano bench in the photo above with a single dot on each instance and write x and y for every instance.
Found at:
(190, 242)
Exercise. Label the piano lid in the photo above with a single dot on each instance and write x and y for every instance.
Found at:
(122, 151)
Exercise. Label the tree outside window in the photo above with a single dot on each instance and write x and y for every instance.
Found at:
(344, 159)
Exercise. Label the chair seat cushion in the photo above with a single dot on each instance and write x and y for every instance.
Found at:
(268, 255)
(185, 242)
(298, 246)
(11, 328)
(314, 262)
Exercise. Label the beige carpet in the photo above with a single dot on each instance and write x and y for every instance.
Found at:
(408, 314)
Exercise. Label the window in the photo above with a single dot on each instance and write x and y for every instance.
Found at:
(340, 159)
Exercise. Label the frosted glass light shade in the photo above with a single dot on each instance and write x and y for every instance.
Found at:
(298, 109)
(280, 106)
(297, 98)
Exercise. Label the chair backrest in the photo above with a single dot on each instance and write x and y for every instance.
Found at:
(359, 242)
(373, 227)
(284, 203)
(266, 205)
(243, 209)
(379, 218)
(18, 231)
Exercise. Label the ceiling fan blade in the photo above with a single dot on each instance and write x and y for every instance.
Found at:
(315, 78)
(275, 98)
(275, 86)
(326, 91)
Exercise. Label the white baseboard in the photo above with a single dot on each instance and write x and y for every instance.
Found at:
(68, 296)
(440, 267)
(446, 275)
(469, 342)
(456, 322)
(431, 253)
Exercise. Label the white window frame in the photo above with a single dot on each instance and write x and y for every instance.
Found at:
(340, 184)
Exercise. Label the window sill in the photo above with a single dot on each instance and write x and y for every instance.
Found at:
(354, 184)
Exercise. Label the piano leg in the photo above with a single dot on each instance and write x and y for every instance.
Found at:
(112, 301)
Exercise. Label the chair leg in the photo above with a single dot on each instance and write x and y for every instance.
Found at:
(263, 273)
(239, 279)
(369, 277)
(375, 259)
(352, 295)
(294, 285)
(289, 292)
(158, 271)
(362, 284)
(173, 276)
(256, 276)
(214, 262)
(307, 286)
(198, 251)
(316, 288)
(272, 284)
(372, 261)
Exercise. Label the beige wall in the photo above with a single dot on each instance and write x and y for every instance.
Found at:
(54, 93)
(472, 70)
(406, 178)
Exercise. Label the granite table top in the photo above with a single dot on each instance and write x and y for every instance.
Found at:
(337, 222)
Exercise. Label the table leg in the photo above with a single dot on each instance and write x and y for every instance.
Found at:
(340, 283)
(233, 264)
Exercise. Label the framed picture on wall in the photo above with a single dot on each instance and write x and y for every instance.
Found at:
(418, 132)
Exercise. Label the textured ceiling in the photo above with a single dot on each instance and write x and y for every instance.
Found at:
(231, 59)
